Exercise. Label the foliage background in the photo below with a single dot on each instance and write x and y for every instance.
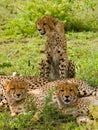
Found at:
(76, 15)
(21, 49)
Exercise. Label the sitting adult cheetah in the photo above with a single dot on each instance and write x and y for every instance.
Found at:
(57, 65)
(79, 92)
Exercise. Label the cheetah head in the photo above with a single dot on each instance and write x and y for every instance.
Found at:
(16, 89)
(67, 93)
(46, 24)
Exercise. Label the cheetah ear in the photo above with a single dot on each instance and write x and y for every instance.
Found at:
(68, 82)
(6, 82)
(71, 82)
(27, 84)
(54, 20)
(76, 85)
(56, 86)
(51, 22)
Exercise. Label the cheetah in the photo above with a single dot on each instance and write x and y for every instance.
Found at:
(71, 104)
(40, 87)
(83, 91)
(19, 99)
(57, 65)
(16, 93)
(54, 23)
(32, 81)
(68, 97)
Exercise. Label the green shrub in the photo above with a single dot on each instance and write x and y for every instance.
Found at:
(76, 15)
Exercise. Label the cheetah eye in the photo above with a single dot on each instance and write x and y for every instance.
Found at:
(58, 51)
(62, 90)
(22, 88)
(71, 90)
(12, 88)
(44, 23)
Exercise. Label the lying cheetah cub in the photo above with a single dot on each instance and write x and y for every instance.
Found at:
(32, 81)
(72, 96)
(17, 96)
(70, 103)
(57, 65)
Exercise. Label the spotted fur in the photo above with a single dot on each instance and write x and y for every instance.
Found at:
(71, 103)
(76, 90)
(57, 65)
(31, 81)
(39, 88)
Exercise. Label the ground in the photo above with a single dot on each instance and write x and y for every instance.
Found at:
(22, 54)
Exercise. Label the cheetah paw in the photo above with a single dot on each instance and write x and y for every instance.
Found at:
(35, 117)
(83, 120)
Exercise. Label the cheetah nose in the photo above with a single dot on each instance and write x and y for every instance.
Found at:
(18, 95)
(66, 96)
(39, 30)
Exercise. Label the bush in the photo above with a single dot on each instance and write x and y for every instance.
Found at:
(76, 15)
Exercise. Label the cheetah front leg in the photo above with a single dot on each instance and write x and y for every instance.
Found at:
(63, 65)
(44, 67)
(63, 69)
(39, 104)
(71, 69)
(83, 120)
(47, 68)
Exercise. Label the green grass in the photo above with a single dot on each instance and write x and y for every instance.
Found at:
(83, 49)
(21, 52)
(23, 57)
(50, 119)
